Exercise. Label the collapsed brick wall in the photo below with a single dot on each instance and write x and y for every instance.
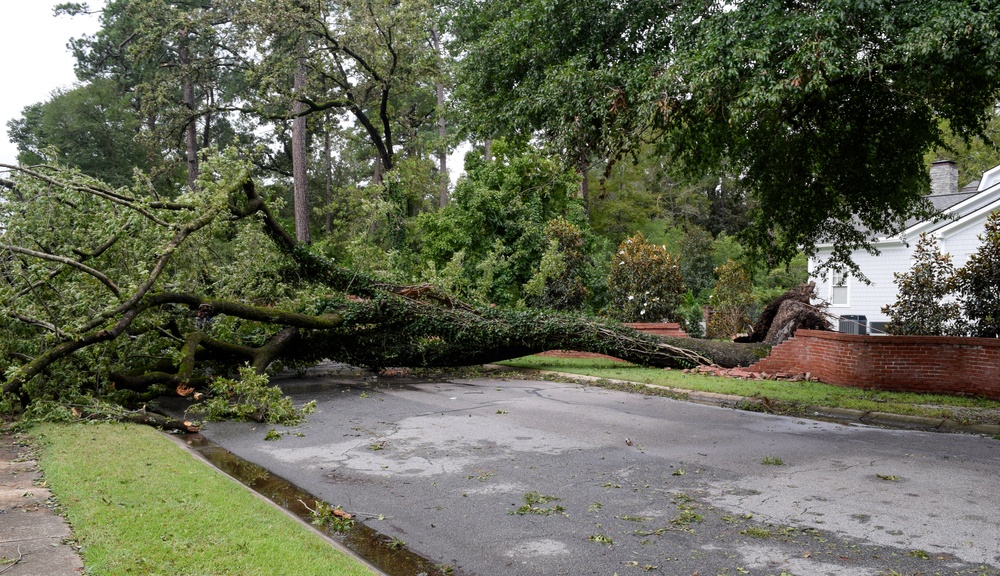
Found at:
(933, 364)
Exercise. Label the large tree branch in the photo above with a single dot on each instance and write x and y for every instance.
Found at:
(35, 322)
(137, 417)
(373, 134)
(247, 312)
(262, 356)
(384, 103)
(310, 264)
(275, 347)
(211, 348)
(42, 361)
(68, 262)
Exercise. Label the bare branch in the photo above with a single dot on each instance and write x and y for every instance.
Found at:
(84, 256)
(35, 322)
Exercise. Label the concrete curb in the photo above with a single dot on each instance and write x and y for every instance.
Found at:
(870, 418)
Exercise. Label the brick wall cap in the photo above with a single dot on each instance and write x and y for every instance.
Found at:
(654, 325)
(946, 340)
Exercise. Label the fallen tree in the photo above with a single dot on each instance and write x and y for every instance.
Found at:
(125, 295)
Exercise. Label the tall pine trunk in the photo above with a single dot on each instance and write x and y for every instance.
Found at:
(328, 172)
(442, 128)
(300, 159)
(187, 96)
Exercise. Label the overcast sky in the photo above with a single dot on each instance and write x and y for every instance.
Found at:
(36, 60)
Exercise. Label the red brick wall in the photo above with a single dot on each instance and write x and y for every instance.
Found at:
(935, 364)
(659, 328)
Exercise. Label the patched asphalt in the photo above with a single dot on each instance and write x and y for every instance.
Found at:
(631, 484)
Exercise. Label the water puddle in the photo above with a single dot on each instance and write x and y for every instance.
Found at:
(373, 546)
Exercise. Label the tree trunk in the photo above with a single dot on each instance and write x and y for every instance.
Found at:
(328, 176)
(187, 96)
(377, 175)
(206, 132)
(585, 189)
(299, 160)
(443, 153)
(442, 128)
(393, 330)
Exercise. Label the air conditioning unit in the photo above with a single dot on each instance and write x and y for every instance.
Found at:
(851, 324)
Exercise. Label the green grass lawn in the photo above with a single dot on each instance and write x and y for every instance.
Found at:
(140, 504)
(790, 394)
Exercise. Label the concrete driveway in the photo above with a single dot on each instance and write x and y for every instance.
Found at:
(497, 477)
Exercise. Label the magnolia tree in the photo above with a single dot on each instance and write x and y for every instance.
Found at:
(645, 282)
(935, 299)
(978, 283)
(922, 307)
(125, 294)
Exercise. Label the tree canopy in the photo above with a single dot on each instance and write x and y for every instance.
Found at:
(823, 109)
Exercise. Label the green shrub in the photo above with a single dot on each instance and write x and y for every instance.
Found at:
(645, 283)
(691, 314)
(731, 301)
(558, 283)
(497, 220)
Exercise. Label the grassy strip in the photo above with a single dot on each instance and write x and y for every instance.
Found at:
(790, 394)
(139, 504)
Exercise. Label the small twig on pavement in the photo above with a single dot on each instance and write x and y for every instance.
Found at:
(13, 562)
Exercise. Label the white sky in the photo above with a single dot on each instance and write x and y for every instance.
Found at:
(36, 60)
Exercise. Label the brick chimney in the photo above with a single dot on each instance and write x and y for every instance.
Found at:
(944, 177)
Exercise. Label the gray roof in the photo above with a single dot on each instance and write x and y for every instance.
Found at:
(943, 201)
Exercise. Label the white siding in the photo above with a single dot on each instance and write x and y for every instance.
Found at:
(960, 239)
(868, 300)
(963, 243)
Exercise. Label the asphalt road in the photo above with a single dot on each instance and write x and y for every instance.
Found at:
(498, 477)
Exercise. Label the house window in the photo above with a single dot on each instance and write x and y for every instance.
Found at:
(839, 295)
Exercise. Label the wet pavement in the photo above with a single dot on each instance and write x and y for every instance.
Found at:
(497, 477)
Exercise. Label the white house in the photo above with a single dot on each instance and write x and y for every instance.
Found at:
(961, 217)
